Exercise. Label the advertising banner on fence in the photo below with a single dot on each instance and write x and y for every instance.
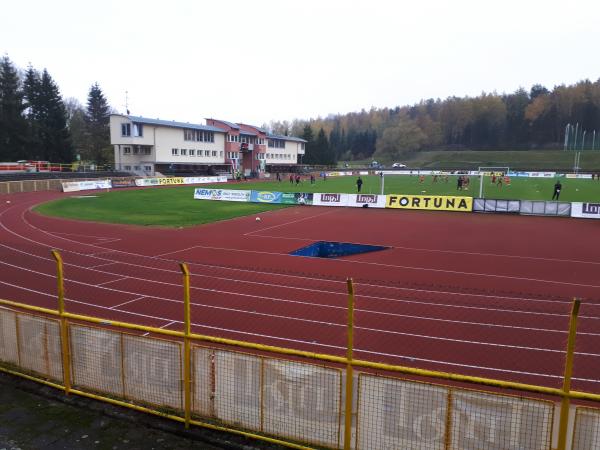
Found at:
(587, 176)
(431, 202)
(296, 198)
(585, 210)
(123, 182)
(265, 197)
(74, 186)
(205, 180)
(330, 199)
(366, 200)
(179, 180)
(230, 195)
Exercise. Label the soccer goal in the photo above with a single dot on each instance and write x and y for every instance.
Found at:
(490, 171)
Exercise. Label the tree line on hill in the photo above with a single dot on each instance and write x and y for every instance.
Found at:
(523, 120)
(37, 124)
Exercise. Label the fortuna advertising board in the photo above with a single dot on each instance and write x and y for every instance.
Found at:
(430, 202)
(585, 210)
(179, 180)
(366, 200)
(330, 199)
(229, 195)
(74, 186)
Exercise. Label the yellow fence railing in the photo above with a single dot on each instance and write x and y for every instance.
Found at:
(290, 397)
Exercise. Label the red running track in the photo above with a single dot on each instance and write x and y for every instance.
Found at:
(485, 295)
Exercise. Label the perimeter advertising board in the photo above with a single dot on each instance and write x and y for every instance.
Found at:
(585, 210)
(366, 200)
(296, 198)
(74, 186)
(330, 199)
(230, 195)
(164, 181)
(265, 197)
(429, 202)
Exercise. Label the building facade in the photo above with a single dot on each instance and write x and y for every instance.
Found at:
(146, 146)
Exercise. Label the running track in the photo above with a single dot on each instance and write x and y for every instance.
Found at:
(485, 295)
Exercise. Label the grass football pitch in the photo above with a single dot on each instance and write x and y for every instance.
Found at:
(176, 207)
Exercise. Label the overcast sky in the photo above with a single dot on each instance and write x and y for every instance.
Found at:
(262, 60)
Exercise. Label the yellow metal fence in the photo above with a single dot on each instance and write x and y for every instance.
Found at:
(294, 398)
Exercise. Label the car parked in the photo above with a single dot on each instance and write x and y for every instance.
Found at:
(398, 165)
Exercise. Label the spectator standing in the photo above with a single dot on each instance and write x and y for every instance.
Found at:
(459, 183)
(359, 183)
(557, 189)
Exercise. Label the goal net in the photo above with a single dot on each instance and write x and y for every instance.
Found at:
(493, 170)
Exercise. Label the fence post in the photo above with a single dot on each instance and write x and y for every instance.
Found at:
(187, 363)
(566, 401)
(349, 368)
(64, 330)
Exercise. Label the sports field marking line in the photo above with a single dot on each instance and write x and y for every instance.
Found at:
(98, 265)
(127, 302)
(250, 233)
(281, 300)
(349, 261)
(107, 282)
(359, 297)
(104, 240)
(461, 341)
(452, 252)
(303, 341)
(395, 266)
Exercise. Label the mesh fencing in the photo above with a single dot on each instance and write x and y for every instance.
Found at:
(298, 401)
(586, 435)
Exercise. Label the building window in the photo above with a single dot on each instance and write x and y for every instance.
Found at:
(183, 152)
(174, 151)
(148, 168)
(276, 143)
(147, 151)
(136, 150)
(125, 129)
(192, 152)
(127, 150)
(136, 167)
(214, 153)
(206, 153)
(127, 167)
(138, 130)
(221, 153)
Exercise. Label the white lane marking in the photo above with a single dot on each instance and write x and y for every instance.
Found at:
(127, 302)
(110, 281)
(251, 233)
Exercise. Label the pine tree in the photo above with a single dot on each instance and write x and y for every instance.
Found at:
(50, 138)
(97, 124)
(310, 155)
(31, 92)
(13, 126)
(323, 150)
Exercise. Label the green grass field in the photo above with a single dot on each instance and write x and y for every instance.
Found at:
(176, 207)
(473, 159)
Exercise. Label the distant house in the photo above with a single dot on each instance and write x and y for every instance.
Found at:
(147, 146)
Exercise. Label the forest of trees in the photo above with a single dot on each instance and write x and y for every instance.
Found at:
(523, 120)
(37, 124)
